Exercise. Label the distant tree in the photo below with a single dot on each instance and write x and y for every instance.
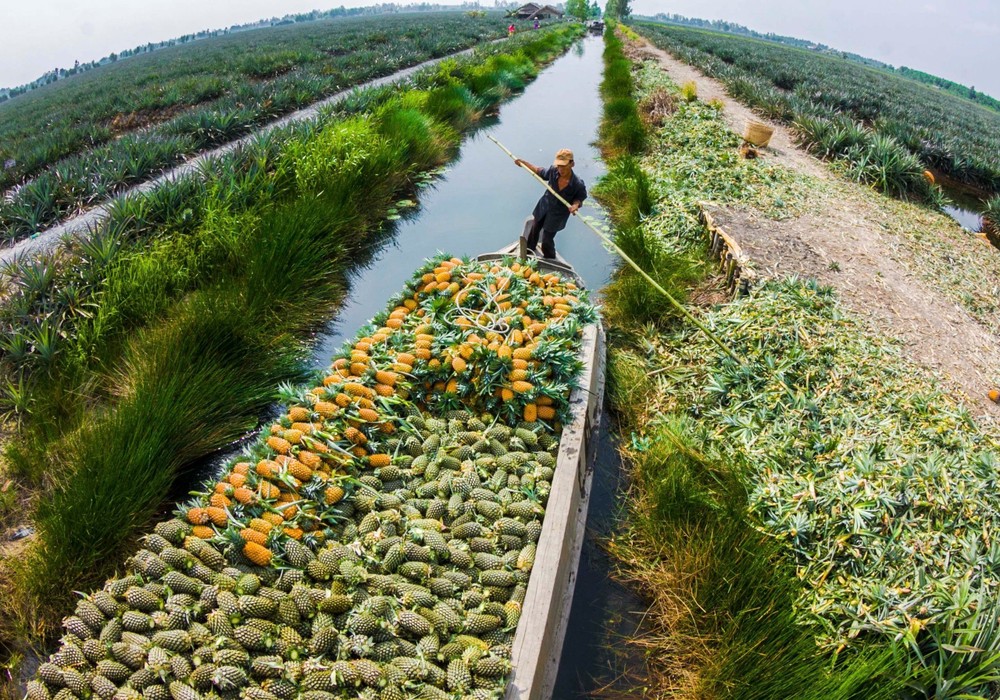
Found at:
(595, 10)
(578, 9)
(618, 9)
(972, 92)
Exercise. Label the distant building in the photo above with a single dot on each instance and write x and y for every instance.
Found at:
(535, 11)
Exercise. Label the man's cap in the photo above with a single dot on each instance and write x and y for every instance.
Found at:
(564, 156)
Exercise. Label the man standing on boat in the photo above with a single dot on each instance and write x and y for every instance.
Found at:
(550, 215)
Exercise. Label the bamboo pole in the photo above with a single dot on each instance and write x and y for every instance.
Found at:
(610, 243)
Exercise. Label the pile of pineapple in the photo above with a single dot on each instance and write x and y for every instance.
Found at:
(377, 541)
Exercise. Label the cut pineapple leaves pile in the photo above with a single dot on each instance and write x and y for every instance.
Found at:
(377, 541)
(882, 487)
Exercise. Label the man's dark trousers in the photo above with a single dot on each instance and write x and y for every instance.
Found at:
(548, 238)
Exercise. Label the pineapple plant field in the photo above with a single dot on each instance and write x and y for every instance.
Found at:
(124, 123)
(378, 538)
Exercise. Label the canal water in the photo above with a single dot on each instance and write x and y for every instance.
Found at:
(479, 204)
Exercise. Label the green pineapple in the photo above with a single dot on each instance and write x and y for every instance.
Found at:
(134, 621)
(141, 679)
(93, 650)
(229, 678)
(174, 640)
(103, 687)
(335, 604)
(254, 693)
(252, 638)
(476, 623)
(486, 561)
(179, 583)
(392, 692)
(467, 530)
(75, 626)
(106, 603)
(368, 671)
(36, 690)
(257, 606)
(266, 667)
(140, 599)
(298, 554)
(413, 623)
(114, 671)
(219, 623)
(364, 622)
(497, 578)
(51, 674)
(201, 678)
(180, 667)
(492, 667)
(343, 674)
(182, 691)
(156, 692)
(317, 680)
(533, 531)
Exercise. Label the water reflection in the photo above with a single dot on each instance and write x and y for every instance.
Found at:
(479, 204)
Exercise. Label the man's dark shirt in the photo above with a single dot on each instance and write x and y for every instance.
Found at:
(554, 212)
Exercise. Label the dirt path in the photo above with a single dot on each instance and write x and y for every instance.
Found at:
(846, 242)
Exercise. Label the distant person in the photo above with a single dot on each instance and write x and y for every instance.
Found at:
(550, 215)
(537, 25)
(510, 30)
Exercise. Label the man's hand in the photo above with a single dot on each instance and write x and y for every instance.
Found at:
(518, 162)
(573, 208)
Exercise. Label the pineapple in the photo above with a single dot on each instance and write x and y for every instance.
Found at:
(258, 554)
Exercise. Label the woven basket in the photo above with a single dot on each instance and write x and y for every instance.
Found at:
(758, 134)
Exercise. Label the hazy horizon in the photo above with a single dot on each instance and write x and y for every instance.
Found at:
(957, 41)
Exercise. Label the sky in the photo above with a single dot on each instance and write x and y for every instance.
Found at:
(957, 39)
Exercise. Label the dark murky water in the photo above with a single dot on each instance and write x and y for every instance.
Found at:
(965, 208)
(969, 219)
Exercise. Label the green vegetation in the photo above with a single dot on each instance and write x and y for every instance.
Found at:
(954, 88)
(889, 120)
(111, 128)
(166, 331)
(381, 534)
(815, 520)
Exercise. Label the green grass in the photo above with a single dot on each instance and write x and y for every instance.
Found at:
(192, 326)
(194, 97)
(945, 132)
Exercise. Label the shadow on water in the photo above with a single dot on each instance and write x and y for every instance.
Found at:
(966, 207)
(604, 612)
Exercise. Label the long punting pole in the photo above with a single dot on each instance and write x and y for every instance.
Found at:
(610, 243)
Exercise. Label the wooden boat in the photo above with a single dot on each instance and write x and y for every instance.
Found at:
(545, 613)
